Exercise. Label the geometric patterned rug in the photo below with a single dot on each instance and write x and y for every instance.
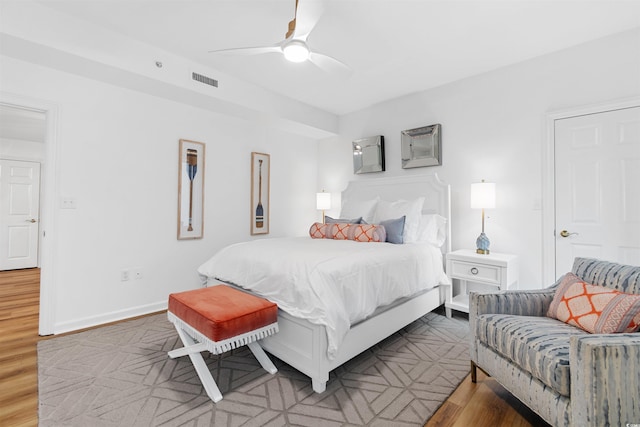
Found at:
(120, 375)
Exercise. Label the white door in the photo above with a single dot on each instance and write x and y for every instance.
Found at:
(19, 214)
(597, 194)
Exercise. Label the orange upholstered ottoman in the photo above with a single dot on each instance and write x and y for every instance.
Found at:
(218, 319)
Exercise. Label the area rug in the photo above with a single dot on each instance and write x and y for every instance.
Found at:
(120, 375)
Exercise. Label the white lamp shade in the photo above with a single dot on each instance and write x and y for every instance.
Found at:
(483, 195)
(323, 201)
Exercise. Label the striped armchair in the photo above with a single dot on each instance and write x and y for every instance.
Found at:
(566, 375)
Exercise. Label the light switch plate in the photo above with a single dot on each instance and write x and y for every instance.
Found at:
(68, 203)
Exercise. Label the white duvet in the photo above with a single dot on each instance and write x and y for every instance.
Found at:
(334, 283)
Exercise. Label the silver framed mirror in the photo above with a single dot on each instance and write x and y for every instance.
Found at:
(422, 147)
(368, 154)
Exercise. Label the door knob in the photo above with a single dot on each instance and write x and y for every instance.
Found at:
(31, 220)
(565, 233)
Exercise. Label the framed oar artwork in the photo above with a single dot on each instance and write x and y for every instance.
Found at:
(260, 164)
(191, 190)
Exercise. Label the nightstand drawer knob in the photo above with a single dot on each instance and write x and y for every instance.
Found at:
(474, 270)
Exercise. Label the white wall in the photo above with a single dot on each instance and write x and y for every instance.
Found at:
(117, 152)
(493, 129)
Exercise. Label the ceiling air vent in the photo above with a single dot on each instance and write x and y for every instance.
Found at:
(204, 79)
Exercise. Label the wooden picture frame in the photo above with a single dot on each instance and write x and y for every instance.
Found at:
(260, 174)
(191, 189)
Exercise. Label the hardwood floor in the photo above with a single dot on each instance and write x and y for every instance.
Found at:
(19, 308)
(482, 404)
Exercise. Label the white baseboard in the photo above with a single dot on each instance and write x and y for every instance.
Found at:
(87, 322)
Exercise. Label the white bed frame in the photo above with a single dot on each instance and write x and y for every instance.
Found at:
(303, 345)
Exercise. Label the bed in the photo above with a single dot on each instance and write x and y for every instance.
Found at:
(344, 321)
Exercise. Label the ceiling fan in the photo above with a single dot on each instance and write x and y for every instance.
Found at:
(294, 47)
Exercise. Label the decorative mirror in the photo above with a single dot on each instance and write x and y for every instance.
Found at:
(421, 147)
(368, 154)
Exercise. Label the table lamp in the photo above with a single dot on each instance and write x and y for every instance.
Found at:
(483, 196)
(323, 202)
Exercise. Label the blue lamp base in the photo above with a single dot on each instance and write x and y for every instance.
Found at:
(482, 244)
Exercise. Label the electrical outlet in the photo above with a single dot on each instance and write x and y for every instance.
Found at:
(137, 274)
(124, 275)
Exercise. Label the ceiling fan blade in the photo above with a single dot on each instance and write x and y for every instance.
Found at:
(308, 13)
(249, 50)
(329, 64)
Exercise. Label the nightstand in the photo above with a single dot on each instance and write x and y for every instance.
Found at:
(496, 269)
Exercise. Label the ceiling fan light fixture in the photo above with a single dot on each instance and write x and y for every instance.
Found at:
(296, 51)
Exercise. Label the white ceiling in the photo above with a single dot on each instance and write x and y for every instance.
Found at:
(393, 47)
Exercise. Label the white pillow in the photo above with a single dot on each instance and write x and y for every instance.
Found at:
(433, 229)
(411, 209)
(364, 209)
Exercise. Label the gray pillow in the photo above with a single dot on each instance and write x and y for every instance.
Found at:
(394, 229)
(329, 220)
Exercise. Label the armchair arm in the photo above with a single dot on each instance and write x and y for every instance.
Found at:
(521, 303)
(605, 379)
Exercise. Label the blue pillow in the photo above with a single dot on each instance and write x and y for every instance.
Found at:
(394, 229)
(329, 220)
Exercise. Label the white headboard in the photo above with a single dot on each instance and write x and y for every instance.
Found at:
(437, 194)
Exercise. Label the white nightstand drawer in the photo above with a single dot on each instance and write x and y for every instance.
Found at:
(470, 268)
(476, 272)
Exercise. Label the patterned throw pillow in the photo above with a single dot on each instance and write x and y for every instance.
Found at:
(595, 309)
(355, 232)
(318, 230)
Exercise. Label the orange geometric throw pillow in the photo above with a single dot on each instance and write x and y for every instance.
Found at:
(595, 309)
(318, 230)
(355, 232)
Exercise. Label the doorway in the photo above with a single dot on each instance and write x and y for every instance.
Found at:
(22, 150)
(597, 174)
(590, 171)
(48, 116)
